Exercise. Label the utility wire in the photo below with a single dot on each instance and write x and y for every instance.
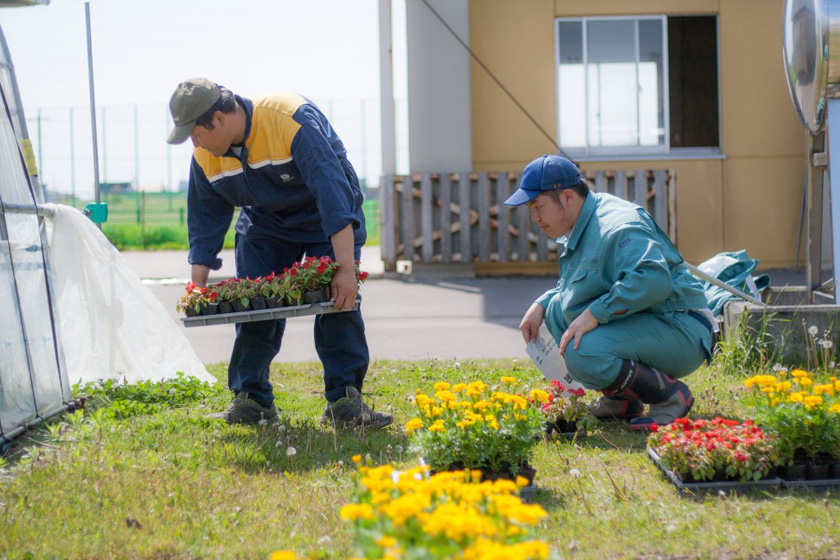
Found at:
(495, 79)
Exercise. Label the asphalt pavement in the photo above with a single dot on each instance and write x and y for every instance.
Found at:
(406, 318)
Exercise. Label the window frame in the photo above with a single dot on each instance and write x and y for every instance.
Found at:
(634, 152)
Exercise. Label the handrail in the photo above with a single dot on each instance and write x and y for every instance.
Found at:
(11, 208)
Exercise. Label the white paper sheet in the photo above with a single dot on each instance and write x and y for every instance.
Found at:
(546, 356)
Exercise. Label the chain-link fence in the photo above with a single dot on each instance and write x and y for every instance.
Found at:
(133, 154)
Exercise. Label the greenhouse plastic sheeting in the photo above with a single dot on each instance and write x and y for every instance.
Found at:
(112, 326)
(31, 380)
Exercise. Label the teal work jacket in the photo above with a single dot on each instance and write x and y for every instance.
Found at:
(616, 260)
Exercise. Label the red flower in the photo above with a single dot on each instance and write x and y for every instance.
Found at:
(654, 427)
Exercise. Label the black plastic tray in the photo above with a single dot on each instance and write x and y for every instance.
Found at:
(821, 484)
(264, 314)
(713, 486)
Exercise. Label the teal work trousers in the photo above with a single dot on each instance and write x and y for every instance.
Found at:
(675, 343)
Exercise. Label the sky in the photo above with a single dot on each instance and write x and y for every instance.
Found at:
(327, 50)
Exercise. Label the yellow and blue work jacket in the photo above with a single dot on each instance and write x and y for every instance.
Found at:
(617, 261)
(291, 178)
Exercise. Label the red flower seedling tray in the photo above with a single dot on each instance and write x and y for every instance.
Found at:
(712, 486)
(270, 314)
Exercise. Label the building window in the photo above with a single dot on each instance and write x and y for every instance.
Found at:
(642, 85)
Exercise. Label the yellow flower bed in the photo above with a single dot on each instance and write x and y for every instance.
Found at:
(449, 515)
(802, 411)
(477, 426)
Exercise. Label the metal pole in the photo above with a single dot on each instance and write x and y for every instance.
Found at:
(92, 107)
(72, 163)
(364, 149)
(702, 275)
(40, 143)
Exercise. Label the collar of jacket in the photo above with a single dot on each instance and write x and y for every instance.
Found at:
(248, 106)
(583, 218)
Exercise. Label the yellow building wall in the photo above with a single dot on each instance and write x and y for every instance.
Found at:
(749, 198)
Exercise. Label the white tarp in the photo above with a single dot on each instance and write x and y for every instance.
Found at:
(111, 325)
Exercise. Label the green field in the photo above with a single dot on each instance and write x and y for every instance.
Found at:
(143, 474)
(158, 220)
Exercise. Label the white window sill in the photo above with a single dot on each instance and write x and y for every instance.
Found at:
(681, 154)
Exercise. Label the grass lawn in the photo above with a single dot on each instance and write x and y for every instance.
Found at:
(167, 483)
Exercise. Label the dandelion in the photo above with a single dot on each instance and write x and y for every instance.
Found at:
(813, 330)
(291, 451)
(173, 391)
(827, 344)
(282, 555)
(574, 472)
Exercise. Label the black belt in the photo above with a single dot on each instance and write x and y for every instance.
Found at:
(702, 318)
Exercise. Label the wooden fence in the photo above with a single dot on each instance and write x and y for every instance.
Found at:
(461, 217)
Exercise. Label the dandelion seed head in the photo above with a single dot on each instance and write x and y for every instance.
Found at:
(574, 472)
(813, 330)
(291, 451)
(173, 390)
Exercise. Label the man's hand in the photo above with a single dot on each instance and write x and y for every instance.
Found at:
(200, 274)
(579, 327)
(531, 322)
(344, 288)
(344, 285)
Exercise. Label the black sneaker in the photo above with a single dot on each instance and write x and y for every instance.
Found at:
(246, 411)
(351, 412)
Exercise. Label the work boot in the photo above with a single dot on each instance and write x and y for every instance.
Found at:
(244, 410)
(668, 398)
(351, 412)
(607, 407)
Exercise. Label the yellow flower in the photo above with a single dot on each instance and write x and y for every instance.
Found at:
(357, 459)
(282, 555)
(476, 388)
(446, 395)
(540, 396)
(812, 401)
(796, 397)
(510, 380)
(826, 389)
(386, 542)
(413, 424)
(775, 402)
(442, 386)
(804, 381)
(459, 387)
(521, 481)
(354, 512)
(437, 426)
(835, 408)
(799, 373)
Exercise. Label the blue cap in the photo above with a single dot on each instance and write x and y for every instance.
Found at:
(544, 174)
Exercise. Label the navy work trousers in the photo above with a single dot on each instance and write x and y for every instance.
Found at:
(339, 337)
